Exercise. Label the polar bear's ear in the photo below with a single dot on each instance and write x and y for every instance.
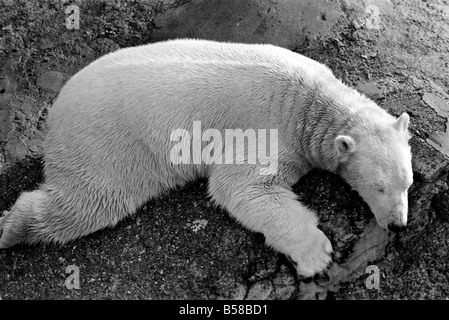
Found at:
(401, 123)
(344, 144)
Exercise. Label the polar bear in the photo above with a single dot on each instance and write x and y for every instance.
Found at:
(107, 150)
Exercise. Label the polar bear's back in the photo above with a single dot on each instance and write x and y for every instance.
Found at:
(198, 51)
(190, 76)
(151, 90)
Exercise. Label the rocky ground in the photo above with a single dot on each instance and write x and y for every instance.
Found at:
(182, 246)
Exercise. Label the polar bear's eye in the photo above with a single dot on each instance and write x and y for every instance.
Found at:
(381, 190)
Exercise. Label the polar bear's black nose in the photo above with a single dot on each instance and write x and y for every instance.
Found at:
(396, 227)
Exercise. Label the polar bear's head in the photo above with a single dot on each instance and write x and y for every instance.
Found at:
(377, 164)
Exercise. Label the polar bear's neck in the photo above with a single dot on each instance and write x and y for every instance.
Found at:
(330, 110)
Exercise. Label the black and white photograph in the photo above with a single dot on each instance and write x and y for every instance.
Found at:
(236, 151)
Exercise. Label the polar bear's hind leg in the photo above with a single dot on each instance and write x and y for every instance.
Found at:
(15, 225)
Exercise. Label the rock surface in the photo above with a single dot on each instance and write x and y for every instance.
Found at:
(287, 23)
(51, 81)
(438, 139)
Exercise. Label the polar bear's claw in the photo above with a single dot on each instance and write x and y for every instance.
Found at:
(311, 254)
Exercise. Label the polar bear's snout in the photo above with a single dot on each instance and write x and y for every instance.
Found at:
(391, 211)
(399, 216)
(397, 226)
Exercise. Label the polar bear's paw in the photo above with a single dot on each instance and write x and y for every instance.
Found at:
(311, 253)
(2, 224)
(9, 228)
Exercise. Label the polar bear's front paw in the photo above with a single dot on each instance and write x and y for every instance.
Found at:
(311, 254)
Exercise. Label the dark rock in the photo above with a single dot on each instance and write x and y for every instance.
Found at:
(370, 89)
(36, 143)
(8, 86)
(420, 201)
(440, 140)
(441, 106)
(104, 46)
(22, 107)
(428, 163)
(286, 23)
(437, 139)
(46, 43)
(15, 149)
(260, 290)
(51, 81)
(284, 284)
(238, 292)
(369, 246)
(440, 203)
(5, 124)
